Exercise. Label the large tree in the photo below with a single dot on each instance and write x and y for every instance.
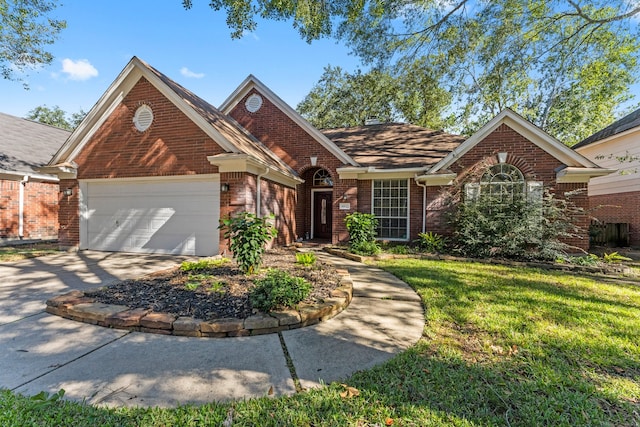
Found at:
(26, 29)
(56, 116)
(563, 64)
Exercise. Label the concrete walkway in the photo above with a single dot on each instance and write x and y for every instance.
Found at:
(113, 367)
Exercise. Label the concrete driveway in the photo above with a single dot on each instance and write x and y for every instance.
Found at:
(114, 367)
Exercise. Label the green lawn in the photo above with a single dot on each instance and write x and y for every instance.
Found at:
(502, 346)
(32, 250)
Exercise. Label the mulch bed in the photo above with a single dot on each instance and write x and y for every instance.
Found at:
(224, 296)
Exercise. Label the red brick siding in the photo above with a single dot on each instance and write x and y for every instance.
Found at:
(295, 146)
(68, 216)
(40, 210)
(619, 207)
(535, 164)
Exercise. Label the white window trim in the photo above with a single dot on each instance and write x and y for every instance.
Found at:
(394, 239)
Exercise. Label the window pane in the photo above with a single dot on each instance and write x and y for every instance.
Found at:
(390, 202)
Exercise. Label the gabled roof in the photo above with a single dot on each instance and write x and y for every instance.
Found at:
(525, 128)
(251, 82)
(230, 136)
(626, 123)
(394, 145)
(26, 145)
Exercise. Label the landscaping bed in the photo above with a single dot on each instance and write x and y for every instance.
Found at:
(208, 298)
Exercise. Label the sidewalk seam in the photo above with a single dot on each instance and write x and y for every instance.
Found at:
(290, 365)
(70, 361)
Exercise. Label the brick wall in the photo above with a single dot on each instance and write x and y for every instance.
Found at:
(619, 207)
(534, 163)
(295, 146)
(40, 219)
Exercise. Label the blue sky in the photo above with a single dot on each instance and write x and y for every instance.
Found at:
(193, 47)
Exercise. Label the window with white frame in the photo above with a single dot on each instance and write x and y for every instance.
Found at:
(502, 183)
(390, 205)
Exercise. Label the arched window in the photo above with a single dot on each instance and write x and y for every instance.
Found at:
(502, 182)
(322, 178)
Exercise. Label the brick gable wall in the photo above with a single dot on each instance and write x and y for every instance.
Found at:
(295, 146)
(619, 207)
(40, 210)
(535, 164)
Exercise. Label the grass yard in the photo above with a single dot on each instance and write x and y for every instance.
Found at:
(502, 346)
(31, 250)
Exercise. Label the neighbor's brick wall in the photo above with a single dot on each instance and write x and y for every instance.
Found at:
(40, 210)
(535, 164)
(295, 147)
(173, 145)
(619, 207)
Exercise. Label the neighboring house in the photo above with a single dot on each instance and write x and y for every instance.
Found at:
(615, 198)
(153, 167)
(28, 199)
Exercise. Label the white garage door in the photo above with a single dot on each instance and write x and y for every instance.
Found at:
(172, 216)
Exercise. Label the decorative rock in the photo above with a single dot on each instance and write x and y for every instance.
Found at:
(221, 325)
(95, 311)
(126, 319)
(286, 317)
(186, 324)
(158, 321)
(63, 299)
(240, 333)
(156, 331)
(260, 321)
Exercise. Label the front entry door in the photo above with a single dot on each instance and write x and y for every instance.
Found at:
(322, 214)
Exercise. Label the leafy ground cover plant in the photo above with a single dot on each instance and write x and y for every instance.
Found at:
(431, 242)
(203, 264)
(249, 235)
(278, 290)
(306, 258)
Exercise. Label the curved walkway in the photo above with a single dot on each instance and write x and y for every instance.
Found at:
(122, 368)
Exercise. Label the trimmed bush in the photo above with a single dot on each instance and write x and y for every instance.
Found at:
(278, 290)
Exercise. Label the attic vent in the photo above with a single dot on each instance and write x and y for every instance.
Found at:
(143, 117)
(253, 103)
(372, 121)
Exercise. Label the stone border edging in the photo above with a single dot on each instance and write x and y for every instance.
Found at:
(75, 305)
(614, 268)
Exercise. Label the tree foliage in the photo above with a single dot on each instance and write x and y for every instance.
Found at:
(26, 28)
(348, 99)
(563, 64)
(55, 116)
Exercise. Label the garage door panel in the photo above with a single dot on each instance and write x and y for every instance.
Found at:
(153, 217)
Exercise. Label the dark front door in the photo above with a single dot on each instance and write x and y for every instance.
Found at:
(322, 214)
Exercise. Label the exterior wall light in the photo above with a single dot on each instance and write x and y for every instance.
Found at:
(68, 191)
(224, 187)
(314, 160)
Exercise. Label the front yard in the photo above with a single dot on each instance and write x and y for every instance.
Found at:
(502, 345)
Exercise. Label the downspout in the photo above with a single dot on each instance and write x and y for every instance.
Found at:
(259, 193)
(424, 204)
(23, 183)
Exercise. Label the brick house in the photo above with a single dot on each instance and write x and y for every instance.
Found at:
(615, 198)
(153, 168)
(28, 198)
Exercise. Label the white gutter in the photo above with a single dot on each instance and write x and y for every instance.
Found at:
(424, 203)
(259, 192)
(23, 183)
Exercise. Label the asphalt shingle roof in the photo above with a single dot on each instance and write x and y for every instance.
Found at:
(394, 145)
(26, 145)
(629, 121)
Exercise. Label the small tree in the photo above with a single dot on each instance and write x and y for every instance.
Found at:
(362, 233)
(249, 235)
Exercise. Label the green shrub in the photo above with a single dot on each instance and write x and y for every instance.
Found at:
(306, 258)
(432, 242)
(362, 233)
(249, 235)
(518, 229)
(278, 290)
(203, 264)
(589, 260)
(365, 248)
(397, 249)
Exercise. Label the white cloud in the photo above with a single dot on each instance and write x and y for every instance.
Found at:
(78, 70)
(190, 74)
